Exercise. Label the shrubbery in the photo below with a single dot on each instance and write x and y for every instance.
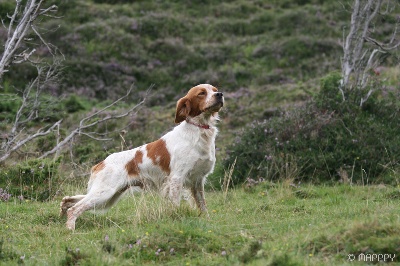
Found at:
(326, 140)
(33, 179)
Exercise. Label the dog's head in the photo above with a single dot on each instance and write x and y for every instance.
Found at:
(203, 98)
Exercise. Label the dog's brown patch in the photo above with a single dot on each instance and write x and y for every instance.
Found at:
(98, 167)
(158, 153)
(132, 167)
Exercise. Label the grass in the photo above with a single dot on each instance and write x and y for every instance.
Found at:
(265, 224)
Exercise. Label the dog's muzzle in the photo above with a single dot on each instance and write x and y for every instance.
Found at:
(219, 98)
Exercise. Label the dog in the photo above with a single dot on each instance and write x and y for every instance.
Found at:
(182, 158)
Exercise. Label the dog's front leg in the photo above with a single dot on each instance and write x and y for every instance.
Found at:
(198, 195)
(175, 190)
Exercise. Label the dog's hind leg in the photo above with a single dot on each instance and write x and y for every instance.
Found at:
(67, 202)
(175, 190)
(96, 198)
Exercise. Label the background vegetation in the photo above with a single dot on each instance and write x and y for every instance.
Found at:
(284, 124)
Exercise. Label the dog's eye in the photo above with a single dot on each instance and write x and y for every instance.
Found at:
(201, 93)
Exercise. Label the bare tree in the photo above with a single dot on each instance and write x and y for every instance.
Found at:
(21, 23)
(361, 52)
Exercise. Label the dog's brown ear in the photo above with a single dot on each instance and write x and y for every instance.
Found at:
(182, 109)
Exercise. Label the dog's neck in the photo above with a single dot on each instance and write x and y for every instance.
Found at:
(203, 121)
(204, 126)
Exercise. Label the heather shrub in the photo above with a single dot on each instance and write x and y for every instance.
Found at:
(4, 195)
(73, 104)
(325, 140)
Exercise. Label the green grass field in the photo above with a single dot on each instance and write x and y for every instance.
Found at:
(268, 224)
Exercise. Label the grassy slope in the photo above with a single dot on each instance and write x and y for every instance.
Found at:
(262, 55)
(271, 223)
(178, 44)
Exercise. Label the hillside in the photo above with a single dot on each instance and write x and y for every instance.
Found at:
(261, 55)
(235, 44)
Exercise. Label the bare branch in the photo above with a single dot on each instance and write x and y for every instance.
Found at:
(18, 28)
(91, 135)
(13, 17)
(19, 144)
(83, 124)
(52, 8)
(365, 98)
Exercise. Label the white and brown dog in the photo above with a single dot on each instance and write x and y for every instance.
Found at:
(181, 158)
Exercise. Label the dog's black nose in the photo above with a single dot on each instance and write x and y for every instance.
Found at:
(219, 94)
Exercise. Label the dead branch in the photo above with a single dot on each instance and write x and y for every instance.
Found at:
(85, 123)
(18, 28)
(28, 111)
(18, 144)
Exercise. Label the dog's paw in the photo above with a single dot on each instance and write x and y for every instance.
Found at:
(64, 206)
(70, 225)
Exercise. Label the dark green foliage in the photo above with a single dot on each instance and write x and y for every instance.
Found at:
(73, 257)
(393, 195)
(6, 8)
(329, 96)
(51, 109)
(34, 179)
(113, 2)
(304, 194)
(73, 104)
(46, 143)
(326, 140)
(91, 152)
(162, 248)
(9, 104)
(108, 247)
(285, 259)
(250, 252)
(6, 254)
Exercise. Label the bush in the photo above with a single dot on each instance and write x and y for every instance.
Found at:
(89, 152)
(73, 104)
(33, 180)
(326, 140)
(8, 107)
